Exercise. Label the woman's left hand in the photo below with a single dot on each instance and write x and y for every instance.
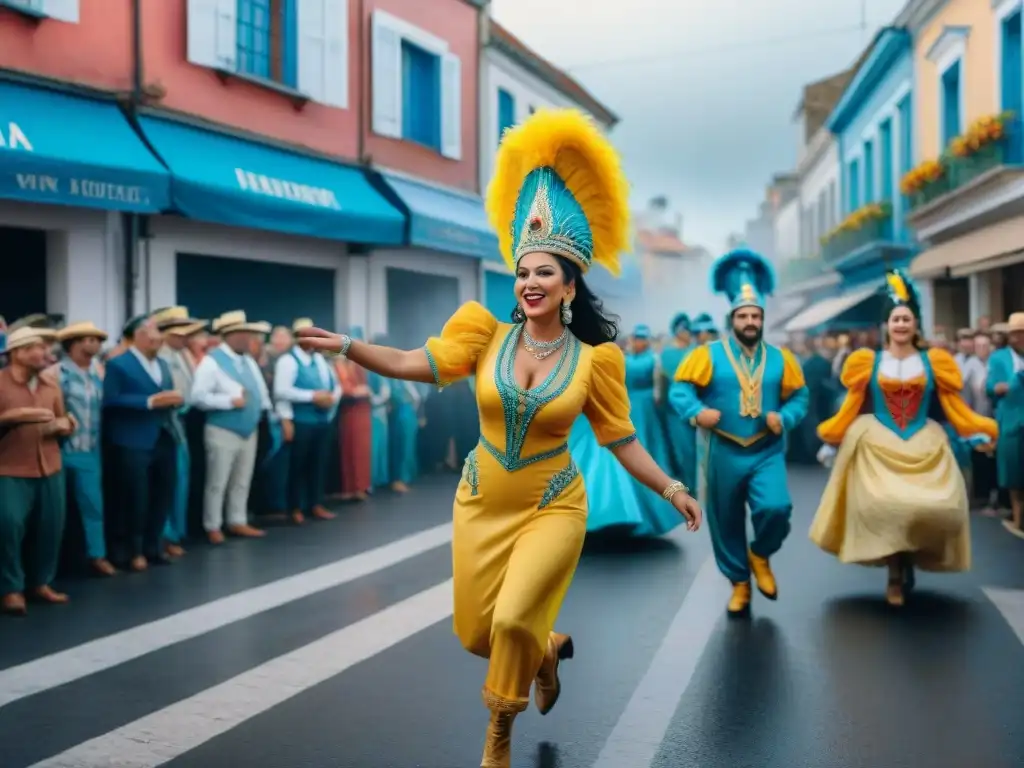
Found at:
(688, 507)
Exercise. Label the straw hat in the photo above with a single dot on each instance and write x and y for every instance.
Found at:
(172, 317)
(26, 336)
(80, 331)
(302, 322)
(188, 330)
(233, 322)
(1015, 323)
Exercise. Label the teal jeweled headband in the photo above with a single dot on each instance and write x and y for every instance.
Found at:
(548, 219)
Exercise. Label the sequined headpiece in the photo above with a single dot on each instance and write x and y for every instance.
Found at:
(746, 278)
(558, 188)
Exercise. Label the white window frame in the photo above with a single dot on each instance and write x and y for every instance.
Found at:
(57, 10)
(948, 50)
(1001, 9)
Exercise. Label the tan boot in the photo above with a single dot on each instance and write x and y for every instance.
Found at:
(739, 603)
(498, 743)
(762, 569)
(547, 687)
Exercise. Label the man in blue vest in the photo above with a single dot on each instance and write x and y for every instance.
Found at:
(306, 392)
(744, 396)
(228, 385)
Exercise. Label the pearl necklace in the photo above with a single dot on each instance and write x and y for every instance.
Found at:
(543, 349)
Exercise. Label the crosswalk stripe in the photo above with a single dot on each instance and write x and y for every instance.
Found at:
(1010, 603)
(103, 653)
(168, 733)
(641, 728)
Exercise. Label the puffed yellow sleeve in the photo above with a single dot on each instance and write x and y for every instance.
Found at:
(855, 377)
(607, 404)
(697, 368)
(949, 383)
(453, 354)
(792, 375)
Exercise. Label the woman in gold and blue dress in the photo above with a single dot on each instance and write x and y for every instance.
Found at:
(896, 497)
(559, 203)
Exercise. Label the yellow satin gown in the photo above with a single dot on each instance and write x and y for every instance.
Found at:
(521, 507)
(889, 494)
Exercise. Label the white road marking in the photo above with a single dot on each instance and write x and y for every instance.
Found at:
(103, 653)
(641, 728)
(168, 733)
(1010, 603)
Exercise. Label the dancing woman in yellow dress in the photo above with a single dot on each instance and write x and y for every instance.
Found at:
(896, 496)
(558, 201)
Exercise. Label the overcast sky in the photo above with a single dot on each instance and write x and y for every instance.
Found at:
(706, 89)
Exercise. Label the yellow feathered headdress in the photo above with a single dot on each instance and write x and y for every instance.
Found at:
(901, 292)
(558, 188)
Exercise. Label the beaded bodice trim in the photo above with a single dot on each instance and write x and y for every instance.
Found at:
(521, 405)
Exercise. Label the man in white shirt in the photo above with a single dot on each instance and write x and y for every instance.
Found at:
(306, 391)
(229, 386)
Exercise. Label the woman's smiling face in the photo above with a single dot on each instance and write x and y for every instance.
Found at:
(540, 285)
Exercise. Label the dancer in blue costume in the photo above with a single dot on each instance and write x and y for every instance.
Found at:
(403, 434)
(704, 328)
(642, 373)
(682, 446)
(380, 402)
(743, 395)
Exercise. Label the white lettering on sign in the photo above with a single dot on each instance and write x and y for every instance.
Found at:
(15, 138)
(88, 189)
(259, 184)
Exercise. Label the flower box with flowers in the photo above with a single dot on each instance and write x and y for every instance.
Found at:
(981, 148)
(868, 224)
(926, 182)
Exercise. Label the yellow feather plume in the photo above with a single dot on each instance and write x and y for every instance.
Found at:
(899, 288)
(569, 142)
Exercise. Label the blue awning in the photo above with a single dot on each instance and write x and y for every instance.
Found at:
(228, 180)
(71, 150)
(446, 221)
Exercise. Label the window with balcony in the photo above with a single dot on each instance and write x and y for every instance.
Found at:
(297, 47)
(951, 103)
(416, 86)
(421, 96)
(869, 172)
(266, 40)
(506, 111)
(885, 172)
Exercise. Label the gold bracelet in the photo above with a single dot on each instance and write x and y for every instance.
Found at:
(673, 488)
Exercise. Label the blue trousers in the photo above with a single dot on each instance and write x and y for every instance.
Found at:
(84, 478)
(176, 529)
(738, 478)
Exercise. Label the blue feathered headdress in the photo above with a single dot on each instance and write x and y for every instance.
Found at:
(680, 322)
(746, 278)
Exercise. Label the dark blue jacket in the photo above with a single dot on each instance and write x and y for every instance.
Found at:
(129, 421)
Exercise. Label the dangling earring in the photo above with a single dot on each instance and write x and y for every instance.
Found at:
(518, 315)
(566, 312)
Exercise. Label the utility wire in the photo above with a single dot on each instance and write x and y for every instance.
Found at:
(764, 42)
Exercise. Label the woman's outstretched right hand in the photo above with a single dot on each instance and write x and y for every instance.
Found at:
(319, 340)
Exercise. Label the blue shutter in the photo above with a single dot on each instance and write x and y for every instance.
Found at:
(1011, 64)
(421, 96)
(906, 136)
(61, 10)
(951, 104)
(506, 112)
(885, 180)
(853, 185)
(869, 172)
(213, 33)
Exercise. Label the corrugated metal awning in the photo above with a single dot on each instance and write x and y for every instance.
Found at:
(827, 309)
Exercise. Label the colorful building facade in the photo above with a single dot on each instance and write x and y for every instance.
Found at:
(967, 194)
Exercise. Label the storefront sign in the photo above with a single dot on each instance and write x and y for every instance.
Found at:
(14, 138)
(259, 184)
(86, 190)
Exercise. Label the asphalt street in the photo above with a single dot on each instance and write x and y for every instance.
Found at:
(331, 645)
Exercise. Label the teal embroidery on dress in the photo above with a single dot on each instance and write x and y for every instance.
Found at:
(471, 473)
(621, 441)
(433, 370)
(522, 405)
(558, 483)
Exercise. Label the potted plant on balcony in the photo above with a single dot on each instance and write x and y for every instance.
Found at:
(927, 181)
(980, 148)
(862, 226)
